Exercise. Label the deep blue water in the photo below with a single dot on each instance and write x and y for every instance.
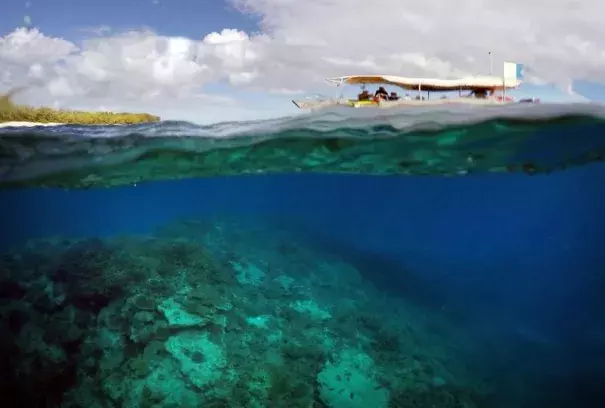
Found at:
(497, 253)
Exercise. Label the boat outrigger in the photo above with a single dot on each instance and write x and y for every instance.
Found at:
(483, 91)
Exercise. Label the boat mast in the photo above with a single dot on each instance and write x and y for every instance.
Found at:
(490, 63)
(340, 94)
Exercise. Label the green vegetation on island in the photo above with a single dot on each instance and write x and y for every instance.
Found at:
(11, 112)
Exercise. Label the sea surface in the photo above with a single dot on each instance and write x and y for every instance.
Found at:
(346, 259)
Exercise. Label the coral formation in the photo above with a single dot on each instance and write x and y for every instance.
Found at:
(209, 315)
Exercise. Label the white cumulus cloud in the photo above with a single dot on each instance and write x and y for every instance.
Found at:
(559, 39)
(24, 46)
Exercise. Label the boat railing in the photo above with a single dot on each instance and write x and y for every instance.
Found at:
(317, 97)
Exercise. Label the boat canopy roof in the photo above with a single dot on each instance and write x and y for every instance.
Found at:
(473, 83)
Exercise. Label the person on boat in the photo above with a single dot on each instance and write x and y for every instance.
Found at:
(480, 93)
(364, 95)
(382, 93)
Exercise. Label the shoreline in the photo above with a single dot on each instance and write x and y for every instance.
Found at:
(28, 124)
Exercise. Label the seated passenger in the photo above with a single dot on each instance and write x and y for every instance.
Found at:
(364, 95)
(480, 94)
(393, 96)
(382, 93)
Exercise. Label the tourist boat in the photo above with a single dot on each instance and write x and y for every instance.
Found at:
(481, 90)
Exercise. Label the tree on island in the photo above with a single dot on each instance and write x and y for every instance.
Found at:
(11, 112)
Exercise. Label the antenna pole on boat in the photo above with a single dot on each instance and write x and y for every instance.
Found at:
(342, 91)
(490, 63)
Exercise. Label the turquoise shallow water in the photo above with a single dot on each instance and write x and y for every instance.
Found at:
(413, 142)
(449, 259)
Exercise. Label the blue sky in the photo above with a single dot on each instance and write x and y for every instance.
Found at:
(67, 18)
(591, 90)
(259, 68)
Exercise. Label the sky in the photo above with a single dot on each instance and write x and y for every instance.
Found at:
(210, 60)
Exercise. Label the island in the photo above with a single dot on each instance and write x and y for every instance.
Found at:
(23, 114)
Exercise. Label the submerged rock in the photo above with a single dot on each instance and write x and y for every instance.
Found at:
(178, 317)
(200, 360)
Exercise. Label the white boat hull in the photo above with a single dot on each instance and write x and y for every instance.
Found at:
(382, 104)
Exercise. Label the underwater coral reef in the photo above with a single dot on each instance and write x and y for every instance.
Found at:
(216, 314)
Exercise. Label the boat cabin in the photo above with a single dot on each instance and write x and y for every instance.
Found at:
(480, 87)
